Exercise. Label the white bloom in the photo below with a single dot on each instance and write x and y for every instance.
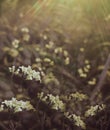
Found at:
(15, 43)
(78, 96)
(25, 30)
(55, 102)
(92, 82)
(16, 105)
(12, 69)
(26, 71)
(26, 37)
(1, 108)
(94, 109)
(77, 120)
(67, 60)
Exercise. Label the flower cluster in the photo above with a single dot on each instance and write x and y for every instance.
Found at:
(47, 61)
(25, 30)
(78, 96)
(94, 109)
(28, 72)
(26, 36)
(64, 53)
(76, 119)
(54, 101)
(15, 43)
(14, 49)
(85, 70)
(92, 82)
(50, 45)
(16, 105)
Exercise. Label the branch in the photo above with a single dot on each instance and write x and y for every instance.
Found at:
(101, 80)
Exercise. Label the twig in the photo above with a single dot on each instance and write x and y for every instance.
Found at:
(3, 126)
(69, 76)
(101, 80)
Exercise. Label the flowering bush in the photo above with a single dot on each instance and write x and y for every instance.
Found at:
(54, 75)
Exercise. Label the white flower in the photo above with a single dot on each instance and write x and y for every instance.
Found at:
(55, 102)
(15, 43)
(25, 30)
(26, 71)
(92, 82)
(12, 69)
(16, 105)
(76, 119)
(26, 37)
(67, 60)
(94, 109)
(78, 96)
(1, 108)
(82, 49)
(38, 60)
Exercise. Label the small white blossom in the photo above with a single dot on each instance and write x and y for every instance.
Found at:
(26, 37)
(50, 45)
(25, 30)
(88, 66)
(12, 69)
(47, 60)
(16, 105)
(86, 61)
(1, 108)
(26, 71)
(78, 96)
(94, 109)
(82, 49)
(38, 60)
(55, 102)
(76, 119)
(82, 73)
(92, 82)
(58, 50)
(65, 53)
(45, 37)
(15, 43)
